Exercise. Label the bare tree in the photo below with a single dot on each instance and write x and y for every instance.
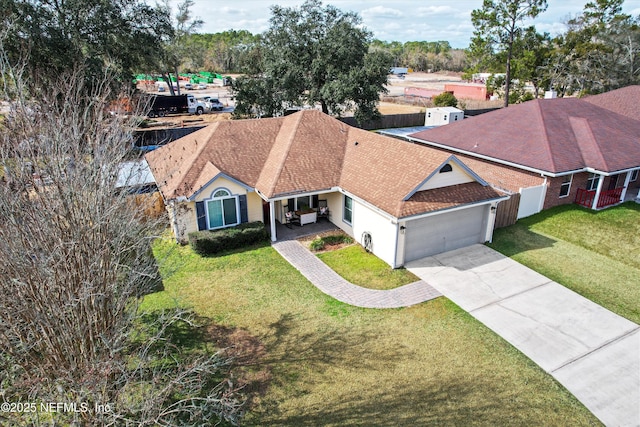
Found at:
(75, 258)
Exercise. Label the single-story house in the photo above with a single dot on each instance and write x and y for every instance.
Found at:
(403, 201)
(573, 150)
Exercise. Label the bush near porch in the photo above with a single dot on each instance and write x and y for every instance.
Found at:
(212, 242)
(316, 361)
(594, 253)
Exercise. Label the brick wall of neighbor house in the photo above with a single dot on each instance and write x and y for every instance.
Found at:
(553, 190)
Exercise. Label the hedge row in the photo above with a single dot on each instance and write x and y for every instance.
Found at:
(212, 242)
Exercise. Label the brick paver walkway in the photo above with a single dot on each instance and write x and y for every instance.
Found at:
(332, 284)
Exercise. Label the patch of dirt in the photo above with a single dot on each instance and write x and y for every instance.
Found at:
(306, 241)
(249, 354)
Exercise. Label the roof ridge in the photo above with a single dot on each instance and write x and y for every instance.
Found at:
(585, 128)
(197, 154)
(285, 153)
(545, 131)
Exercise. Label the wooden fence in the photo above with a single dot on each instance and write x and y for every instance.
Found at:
(507, 213)
(388, 121)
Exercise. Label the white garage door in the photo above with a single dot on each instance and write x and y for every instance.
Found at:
(445, 232)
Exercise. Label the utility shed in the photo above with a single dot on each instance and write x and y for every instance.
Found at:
(438, 116)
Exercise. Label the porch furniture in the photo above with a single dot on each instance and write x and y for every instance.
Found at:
(291, 218)
(323, 209)
(307, 217)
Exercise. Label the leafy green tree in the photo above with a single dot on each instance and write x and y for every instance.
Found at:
(56, 36)
(445, 99)
(497, 28)
(317, 55)
(175, 47)
(599, 52)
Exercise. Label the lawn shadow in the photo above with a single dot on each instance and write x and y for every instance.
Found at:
(519, 238)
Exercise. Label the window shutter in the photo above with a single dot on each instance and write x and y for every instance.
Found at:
(314, 201)
(201, 215)
(244, 211)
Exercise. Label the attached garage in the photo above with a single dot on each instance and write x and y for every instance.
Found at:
(444, 232)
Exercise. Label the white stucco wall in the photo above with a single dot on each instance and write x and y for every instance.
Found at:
(457, 176)
(382, 230)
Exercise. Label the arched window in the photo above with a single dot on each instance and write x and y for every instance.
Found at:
(222, 209)
(446, 168)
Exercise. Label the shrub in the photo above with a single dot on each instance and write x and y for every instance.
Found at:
(211, 242)
(445, 99)
(319, 243)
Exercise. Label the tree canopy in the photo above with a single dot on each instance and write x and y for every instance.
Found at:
(311, 55)
(56, 36)
(599, 52)
(497, 30)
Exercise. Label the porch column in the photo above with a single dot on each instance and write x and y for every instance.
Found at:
(627, 180)
(272, 216)
(594, 206)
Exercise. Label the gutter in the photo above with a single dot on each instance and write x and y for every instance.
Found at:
(455, 208)
(493, 159)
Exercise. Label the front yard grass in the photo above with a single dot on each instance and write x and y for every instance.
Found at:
(592, 253)
(365, 269)
(322, 362)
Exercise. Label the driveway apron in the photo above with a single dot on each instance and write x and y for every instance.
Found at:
(593, 352)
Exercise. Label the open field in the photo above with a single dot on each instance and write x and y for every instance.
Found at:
(592, 253)
(316, 361)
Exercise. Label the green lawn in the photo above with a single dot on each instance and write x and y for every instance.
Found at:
(310, 360)
(593, 253)
(365, 269)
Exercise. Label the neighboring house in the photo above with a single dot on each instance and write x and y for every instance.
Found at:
(407, 200)
(577, 151)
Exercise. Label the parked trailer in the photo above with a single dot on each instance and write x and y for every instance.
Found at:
(162, 105)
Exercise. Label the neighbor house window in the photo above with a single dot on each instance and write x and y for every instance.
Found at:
(634, 175)
(347, 215)
(592, 182)
(565, 187)
(222, 209)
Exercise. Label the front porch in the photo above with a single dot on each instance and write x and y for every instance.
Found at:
(587, 198)
(294, 231)
(604, 191)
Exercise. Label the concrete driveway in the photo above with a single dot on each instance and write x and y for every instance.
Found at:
(593, 352)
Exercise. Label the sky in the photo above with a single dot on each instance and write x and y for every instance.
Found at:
(390, 20)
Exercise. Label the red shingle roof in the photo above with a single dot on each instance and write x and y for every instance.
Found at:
(625, 101)
(550, 135)
(305, 152)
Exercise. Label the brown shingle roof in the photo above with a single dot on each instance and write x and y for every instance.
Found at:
(551, 135)
(304, 152)
(623, 101)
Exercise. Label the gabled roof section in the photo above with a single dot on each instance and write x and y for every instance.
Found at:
(624, 101)
(451, 159)
(447, 198)
(546, 135)
(307, 155)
